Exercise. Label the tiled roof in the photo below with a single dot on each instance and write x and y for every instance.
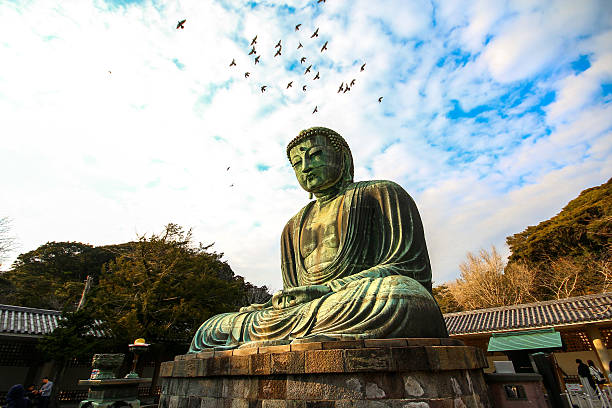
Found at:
(580, 309)
(27, 321)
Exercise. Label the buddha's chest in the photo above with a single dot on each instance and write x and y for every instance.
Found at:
(320, 235)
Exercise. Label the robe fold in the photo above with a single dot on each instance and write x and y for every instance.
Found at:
(380, 279)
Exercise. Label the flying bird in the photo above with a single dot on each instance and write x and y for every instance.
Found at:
(257, 59)
(380, 99)
(320, 1)
(231, 185)
(299, 46)
(315, 34)
(233, 63)
(341, 87)
(290, 84)
(324, 46)
(363, 67)
(315, 110)
(253, 51)
(302, 60)
(316, 76)
(263, 88)
(346, 89)
(254, 41)
(180, 24)
(308, 69)
(304, 88)
(297, 27)
(109, 72)
(278, 44)
(353, 82)
(228, 167)
(246, 74)
(278, 52)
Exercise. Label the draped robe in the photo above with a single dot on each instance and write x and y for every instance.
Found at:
(380, 279)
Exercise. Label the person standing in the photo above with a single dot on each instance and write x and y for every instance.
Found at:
(588, 383)
(15, 397)
(595, 373)
(45, 393)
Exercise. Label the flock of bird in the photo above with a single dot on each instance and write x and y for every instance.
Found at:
(278, 48)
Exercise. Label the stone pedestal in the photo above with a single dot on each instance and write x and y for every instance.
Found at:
(402, 373)
(115, 393)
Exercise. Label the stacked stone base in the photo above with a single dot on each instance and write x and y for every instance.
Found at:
(406, 373)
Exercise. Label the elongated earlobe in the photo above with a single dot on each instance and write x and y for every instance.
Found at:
(310, 196)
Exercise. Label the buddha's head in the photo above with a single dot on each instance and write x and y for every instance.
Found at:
(321, 159)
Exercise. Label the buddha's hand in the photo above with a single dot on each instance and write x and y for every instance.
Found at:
(256, 306)
(298, 295)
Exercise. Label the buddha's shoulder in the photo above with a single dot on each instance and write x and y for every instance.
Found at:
(377, 185)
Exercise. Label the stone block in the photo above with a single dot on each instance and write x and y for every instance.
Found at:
(275, 349)
(236, 403)
(277, 403)
(165, 369)
(178, 402)
(179, 368)
(191, 356)
(239, 365)
(441, 403)
(163, 400)
(246, 351)
(324, 387)
(447, 357)
(451, 342)
(260, 364)
(320, 404)
(217, 366)
(422, 342)
(206, 387)
(206, 354)
(377, 343)
(192, 367)
(341, 344)
(273, 387)
(241, 387)
(324, 361)
(409, 359)
(315, 345)
(382, 386)
(208, 402)
(378, 359)
(224, 353)
(194, 401)
(292, 362)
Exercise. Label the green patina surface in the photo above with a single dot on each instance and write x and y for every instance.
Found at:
(354, 261)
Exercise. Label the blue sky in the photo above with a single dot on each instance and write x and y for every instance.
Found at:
(494, 115)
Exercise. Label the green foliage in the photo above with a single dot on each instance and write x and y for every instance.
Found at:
(52, 275)
(73, 338)
(445, 299)
(583, 229)
(164, 288)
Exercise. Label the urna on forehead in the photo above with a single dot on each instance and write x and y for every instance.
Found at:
(334, 138)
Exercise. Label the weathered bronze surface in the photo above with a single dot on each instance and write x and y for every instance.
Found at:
(354, 262)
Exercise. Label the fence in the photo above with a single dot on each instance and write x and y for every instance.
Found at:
(576, 397)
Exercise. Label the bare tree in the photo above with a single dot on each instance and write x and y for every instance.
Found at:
(7, 242)
(485, 281)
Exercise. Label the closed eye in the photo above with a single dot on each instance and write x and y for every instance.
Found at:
(297, 163)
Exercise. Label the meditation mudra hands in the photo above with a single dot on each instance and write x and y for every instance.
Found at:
(291, 297)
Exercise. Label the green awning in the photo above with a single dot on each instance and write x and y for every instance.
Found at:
(525, 340)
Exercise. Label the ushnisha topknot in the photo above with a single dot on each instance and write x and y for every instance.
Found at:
(334, 137)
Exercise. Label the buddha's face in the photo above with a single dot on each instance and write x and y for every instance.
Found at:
(316, 164)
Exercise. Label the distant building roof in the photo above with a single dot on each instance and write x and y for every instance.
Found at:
(30, 322)
(574, 310)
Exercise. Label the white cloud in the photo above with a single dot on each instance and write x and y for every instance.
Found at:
(100, 157)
